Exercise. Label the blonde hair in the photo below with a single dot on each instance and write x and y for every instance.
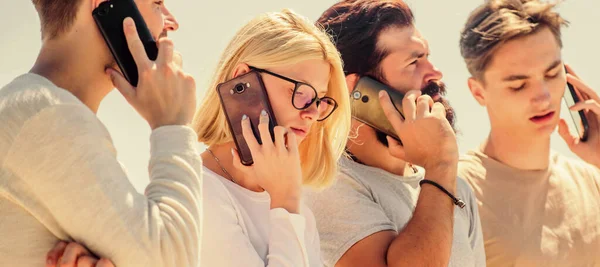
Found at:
(279, 39)
(498, 21)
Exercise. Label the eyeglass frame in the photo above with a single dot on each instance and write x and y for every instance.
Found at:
(297, 84)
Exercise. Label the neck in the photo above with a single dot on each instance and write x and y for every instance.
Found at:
(518, 151)
(225, 161)
(75, 68)
(369, 151)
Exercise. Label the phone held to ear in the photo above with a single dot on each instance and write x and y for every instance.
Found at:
(245, 95)
(364, 101)
(571, 97)
(109, 16)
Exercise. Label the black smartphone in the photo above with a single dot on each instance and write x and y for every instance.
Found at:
(364, 101)
(571, 97)
(245, 95)
(109, 18)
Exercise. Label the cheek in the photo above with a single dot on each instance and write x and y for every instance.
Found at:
(507, 105)
(281, 104)
(405, 80)
(153, 17)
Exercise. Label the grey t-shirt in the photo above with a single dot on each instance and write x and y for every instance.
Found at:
(366, 200)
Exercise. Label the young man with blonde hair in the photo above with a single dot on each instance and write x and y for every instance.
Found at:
(538, 208)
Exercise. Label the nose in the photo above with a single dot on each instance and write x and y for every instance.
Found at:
(541, 95)
(311, 113)
(432, 73)
(171, 23)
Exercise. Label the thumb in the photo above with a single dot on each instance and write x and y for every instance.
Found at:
(563, 131)
(395, 148)
(237, 162)
(351, 81)
(126, 89)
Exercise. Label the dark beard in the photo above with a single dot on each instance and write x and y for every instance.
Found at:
(431, 89)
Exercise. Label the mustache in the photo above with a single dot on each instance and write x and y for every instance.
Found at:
(163, 34)
(433, 88)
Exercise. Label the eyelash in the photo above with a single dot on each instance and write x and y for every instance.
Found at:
(518, 88)
(523, 86)
(159, 3)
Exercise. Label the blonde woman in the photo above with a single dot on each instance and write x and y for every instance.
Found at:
(253, 215)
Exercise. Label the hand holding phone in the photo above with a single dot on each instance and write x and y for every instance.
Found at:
(277, 168)
(366, 108)
(165, 94)
(109, 16)
(571, 98)
(589, 109)
(245, 95)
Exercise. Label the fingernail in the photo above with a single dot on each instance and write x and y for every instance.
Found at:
(129, 22)
(232, 152)
(381, 93)
(244, 117)
(263, 113)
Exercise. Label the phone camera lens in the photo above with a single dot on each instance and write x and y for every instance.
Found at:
(365, 99)
(240, 88)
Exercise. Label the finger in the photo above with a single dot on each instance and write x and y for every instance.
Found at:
(237, 162)
(105, 263)
(165, 50)
(571, 70)
(409, 104)
(589, 104)
(582, 87)
(263, 128)
(280, 136)
(72, 252)
(351, 81)
(54, 254)
(177, 59)
(424, 103)
(390, 111)
(87, 261)
(395, 148)
(124, 87)
(135, 44)
(438, 110)
(292, 143)
(248, 134)
(563, 131)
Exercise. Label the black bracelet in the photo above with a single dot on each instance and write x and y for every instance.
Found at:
(457, 201)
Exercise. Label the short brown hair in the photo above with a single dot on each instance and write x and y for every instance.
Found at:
(355, 26)
(498, 21)
(56, 16)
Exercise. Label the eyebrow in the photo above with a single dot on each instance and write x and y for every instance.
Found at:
(524, 77)
(415, 54)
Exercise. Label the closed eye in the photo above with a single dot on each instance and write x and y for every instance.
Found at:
(518, 88)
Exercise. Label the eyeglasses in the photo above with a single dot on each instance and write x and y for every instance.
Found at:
(305, 95)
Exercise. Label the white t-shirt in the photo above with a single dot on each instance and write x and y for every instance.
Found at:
(241, 229)
(365, 200)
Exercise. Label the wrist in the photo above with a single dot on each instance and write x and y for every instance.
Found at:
(289, 202)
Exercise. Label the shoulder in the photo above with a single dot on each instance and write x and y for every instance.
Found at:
(30, 97)
(471, 168)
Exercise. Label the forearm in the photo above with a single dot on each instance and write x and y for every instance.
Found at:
(426, 240)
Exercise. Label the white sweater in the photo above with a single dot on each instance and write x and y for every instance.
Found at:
(60, 180)
(241, 229)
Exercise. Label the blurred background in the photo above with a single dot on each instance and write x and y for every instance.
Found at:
(207, 26)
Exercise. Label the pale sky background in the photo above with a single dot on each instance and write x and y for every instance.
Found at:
(207, 26)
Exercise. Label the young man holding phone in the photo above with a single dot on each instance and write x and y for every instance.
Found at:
(377, 214)
(59, 176)
(538, 208)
